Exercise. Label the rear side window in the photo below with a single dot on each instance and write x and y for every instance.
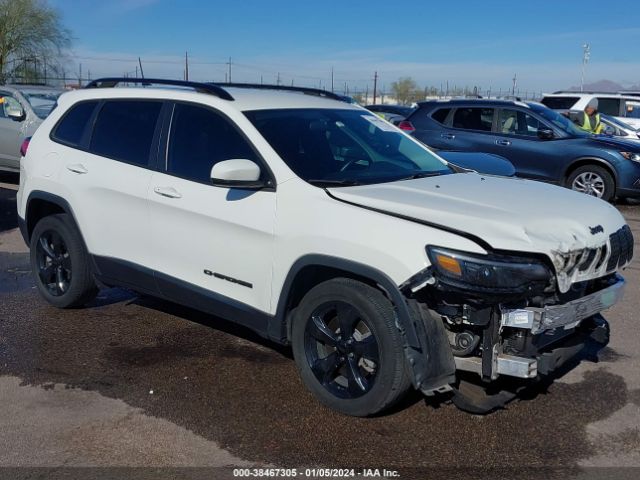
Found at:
(199, 139)
(124, 130)
(560, 103)
(73, 124)
(609, 106)
(473, 118)
(440, 115)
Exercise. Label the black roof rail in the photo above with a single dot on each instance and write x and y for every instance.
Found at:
(309, 91)
(588, 92)
(210, 88)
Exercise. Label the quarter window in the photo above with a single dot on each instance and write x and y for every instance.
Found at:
(124, 130)
(473, 119)
(441, 115)
(72, 126)
(199, 139)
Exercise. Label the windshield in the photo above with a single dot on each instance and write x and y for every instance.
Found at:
(344, 147)
(42, 102)
(560, 121)
(619, 123)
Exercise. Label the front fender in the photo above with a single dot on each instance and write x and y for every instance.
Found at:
(426, 346)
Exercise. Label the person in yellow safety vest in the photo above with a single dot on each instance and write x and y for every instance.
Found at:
(589, 119)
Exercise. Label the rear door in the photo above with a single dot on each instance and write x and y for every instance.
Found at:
(107, 169)
(469, 129)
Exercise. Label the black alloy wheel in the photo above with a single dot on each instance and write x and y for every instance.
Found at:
(341, 350)
(60, 262)
(53, 263)
(348, 349)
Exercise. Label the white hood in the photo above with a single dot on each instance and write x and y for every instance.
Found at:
(507, 213)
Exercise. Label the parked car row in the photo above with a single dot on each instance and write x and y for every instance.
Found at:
(541, 143)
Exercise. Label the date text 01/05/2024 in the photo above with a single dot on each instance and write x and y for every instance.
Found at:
(316, 473)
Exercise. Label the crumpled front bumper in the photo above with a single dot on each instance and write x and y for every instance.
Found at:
(566, 315)
(582, 314)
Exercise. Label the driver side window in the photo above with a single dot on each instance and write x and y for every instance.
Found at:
(516, 122)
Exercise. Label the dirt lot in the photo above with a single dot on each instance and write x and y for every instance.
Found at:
(135, 382)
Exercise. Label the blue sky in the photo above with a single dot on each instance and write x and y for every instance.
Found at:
(462, 42)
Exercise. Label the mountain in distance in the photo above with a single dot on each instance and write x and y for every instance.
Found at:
(604, 86)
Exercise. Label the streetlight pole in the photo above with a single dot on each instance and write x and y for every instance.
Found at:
(586, 54)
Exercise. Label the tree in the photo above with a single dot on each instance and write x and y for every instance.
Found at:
(30, 29)
(406, 90)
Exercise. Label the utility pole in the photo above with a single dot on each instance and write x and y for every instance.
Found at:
(366, 95)
(80, 75)
(229, 64)
(331, 79)
(141, 71)
(515, 82)
(375, 86)
(186, 66)
(586, 55)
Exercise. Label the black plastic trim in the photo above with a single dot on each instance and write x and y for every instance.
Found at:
(210, 88)
(444, 228)
(22, 225)
(287, 88)
(117, 272)
(51, 198)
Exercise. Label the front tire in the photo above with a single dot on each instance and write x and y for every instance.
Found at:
(592, 180)
(347, 348)
(60, 263)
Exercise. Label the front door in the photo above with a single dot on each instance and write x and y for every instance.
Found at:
(214, 241)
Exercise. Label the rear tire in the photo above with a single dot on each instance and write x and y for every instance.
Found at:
(347, 348)
(60, 263)
(592, 180)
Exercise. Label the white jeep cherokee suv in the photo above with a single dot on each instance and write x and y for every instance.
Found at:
(318, 224)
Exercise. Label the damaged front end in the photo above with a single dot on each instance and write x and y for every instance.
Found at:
(517, 315)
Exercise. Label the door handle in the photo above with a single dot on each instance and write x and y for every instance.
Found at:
(168, 192)
(506, 143)
(77, 168)
(448, 136)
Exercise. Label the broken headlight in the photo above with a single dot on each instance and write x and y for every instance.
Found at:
(501, 274)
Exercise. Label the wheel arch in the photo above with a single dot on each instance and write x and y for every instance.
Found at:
(42, 204)
(582, 161)
(310, 270)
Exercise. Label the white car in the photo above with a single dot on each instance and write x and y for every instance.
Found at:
(622, 107)
(321, 226)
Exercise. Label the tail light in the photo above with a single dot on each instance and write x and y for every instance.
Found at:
(24, 146)
(406, 126)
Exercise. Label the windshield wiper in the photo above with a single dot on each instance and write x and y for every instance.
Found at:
(333, 183)
(418, 175)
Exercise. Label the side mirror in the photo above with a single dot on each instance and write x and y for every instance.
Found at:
(13, 109)
(238, 173)
(545, 134)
